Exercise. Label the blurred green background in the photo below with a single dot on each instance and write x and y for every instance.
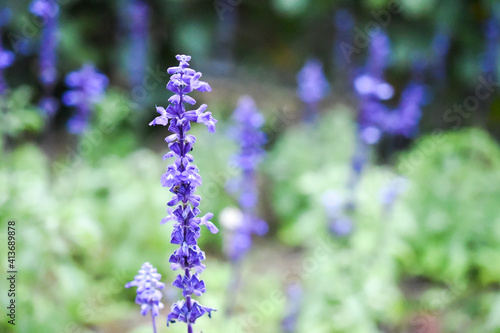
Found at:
(87, 209)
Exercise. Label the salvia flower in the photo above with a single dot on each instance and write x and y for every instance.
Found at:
(312, 86)
(48, 11)
(6, 57)
(148, 291)
(182, 177)
(247, 131)
(87, 88)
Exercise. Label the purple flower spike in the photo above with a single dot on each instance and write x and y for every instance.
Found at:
(87, 89)
(148, 291)
(182, 177)
(248, 133)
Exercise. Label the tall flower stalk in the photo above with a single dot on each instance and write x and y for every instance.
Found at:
(182, 177)
(6, 57)
(87, 88)
(148, 291)
(372, 90)
(48, 11)
(241, 224)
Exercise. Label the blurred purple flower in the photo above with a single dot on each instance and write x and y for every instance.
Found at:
(389, 193)
(344, 24)
(6, 57)
(372, 89)
(441, 46)
(88, 86)
(405, 119)
(312, 86)
(182, 178)
(247, 131)
(295, 296)
(336, 212)
(136, 17)
(379, 52)
(48, 10)
(489, 62)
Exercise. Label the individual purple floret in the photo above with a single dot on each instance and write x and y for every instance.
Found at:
(48, 11)
(137, 20)
(182, 177)
(148, 291)
(6, 57)
(247, 131)
(88, 86)
(312, 86)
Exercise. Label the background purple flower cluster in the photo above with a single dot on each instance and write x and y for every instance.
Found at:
(247, 131)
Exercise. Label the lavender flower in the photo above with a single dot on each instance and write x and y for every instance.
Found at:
(6, 57)
(248, 133)
(136, 17)
(48, 10)
(88, 86)
(312, 86)
(182, 177)
(148, 291)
